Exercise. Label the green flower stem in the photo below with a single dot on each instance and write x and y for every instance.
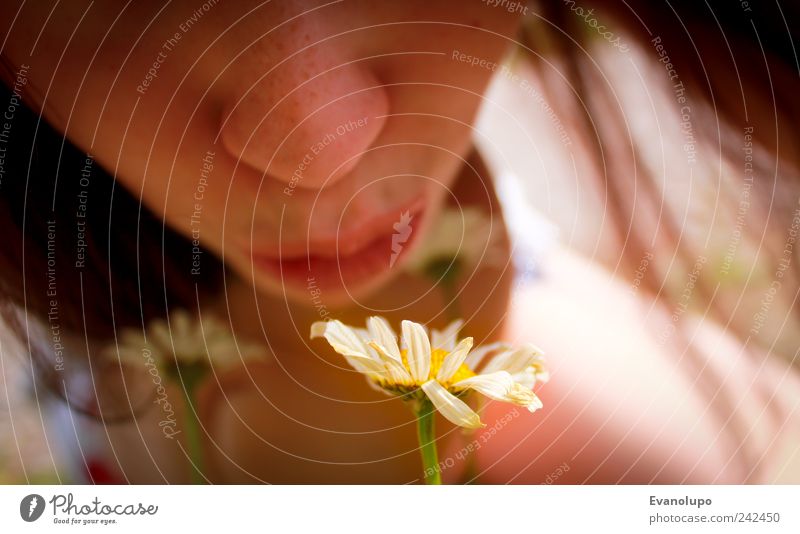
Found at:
(445, 272)
(427, 442)
(192, 376)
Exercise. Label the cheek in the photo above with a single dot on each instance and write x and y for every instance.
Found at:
(186, 203)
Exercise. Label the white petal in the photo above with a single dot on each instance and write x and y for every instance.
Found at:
(159, 335)
(497, 362)
(530, 376)
(446, 339)
(318, 329)
(382, 333)
(535, 404)
(515, 361)
(396, 372)
(502, 387)
(363, 335)
(128, 355)
(454, 360)
(495, 385)
(133, 338)
(542, 375)
(451, 407)
(180, 324)
(342, 338)
(419, 350)
(347, 343)
(476, 356)
(523, 396)
(368, 366)
(404, 343)
(526, 378)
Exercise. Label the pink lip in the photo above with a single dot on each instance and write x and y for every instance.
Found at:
(350, 259)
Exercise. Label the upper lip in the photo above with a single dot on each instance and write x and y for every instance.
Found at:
(345, 241)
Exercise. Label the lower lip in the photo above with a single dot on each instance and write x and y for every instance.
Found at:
(350, 272)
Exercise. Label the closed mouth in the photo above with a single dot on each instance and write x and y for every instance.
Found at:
(351, 260)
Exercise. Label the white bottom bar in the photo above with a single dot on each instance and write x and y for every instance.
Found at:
(354, 509)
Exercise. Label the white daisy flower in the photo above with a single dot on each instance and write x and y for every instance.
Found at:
(193, 341)
(441, 368)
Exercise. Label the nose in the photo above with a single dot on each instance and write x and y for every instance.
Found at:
(309, 121)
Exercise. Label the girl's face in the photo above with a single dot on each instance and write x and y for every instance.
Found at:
(293, 138)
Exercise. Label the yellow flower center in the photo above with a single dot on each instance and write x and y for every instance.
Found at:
(437, 358)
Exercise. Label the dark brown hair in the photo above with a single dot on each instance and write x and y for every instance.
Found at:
(740, 67)
(80, 255)
(739, 64)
